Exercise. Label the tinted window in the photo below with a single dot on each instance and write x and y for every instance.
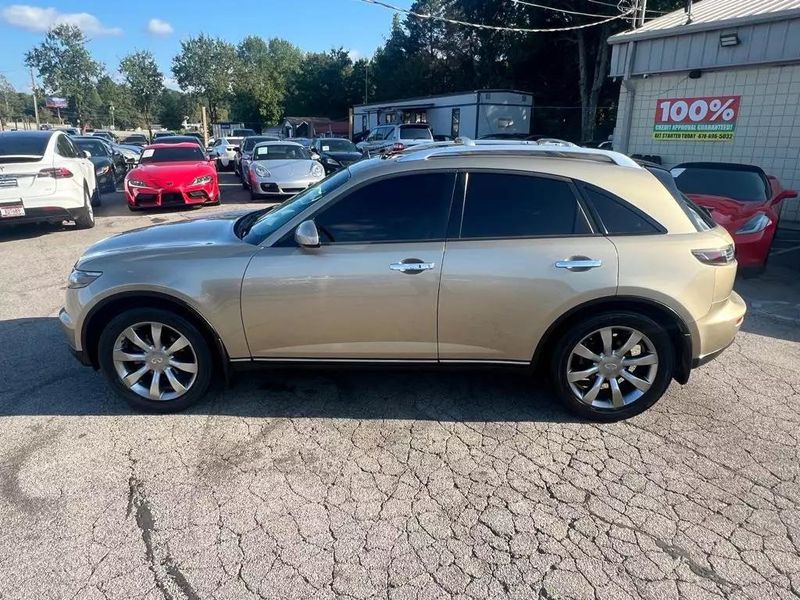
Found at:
(405, 208)
(747, 186)
(415, 132)
(336, 145)
(64, 148)
(502, 205)
(699, 217)
(176, 154)
(617, 217)
(179, 139)
(250, 142)
(23, 144)
(94, 148)
(280, 152)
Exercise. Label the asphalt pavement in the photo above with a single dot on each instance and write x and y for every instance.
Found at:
(389, 484)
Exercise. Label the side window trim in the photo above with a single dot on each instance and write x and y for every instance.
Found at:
(582, 186)
(594, 231)
(346, 193)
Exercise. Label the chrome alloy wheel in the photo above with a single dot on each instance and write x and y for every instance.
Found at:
(612, 367)
(155, 361)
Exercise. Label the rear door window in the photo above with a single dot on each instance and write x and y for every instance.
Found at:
(617, 216)
(503, 205)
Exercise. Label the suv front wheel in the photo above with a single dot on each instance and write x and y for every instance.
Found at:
(613, 366)
(155, 359)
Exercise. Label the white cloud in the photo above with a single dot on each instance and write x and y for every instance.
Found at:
(35, 18)
(171, 83)
(159, 27)
(355, 54)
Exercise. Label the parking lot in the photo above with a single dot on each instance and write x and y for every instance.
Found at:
(390, 483)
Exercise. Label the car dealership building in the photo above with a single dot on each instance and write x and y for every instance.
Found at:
(718, 83)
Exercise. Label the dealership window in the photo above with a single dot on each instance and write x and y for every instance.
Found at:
(389, 118)
(415, 116)
(455, 122)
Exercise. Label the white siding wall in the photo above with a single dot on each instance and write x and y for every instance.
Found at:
(767, 129)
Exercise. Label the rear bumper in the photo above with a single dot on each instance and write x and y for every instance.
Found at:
(719, 327)
(42, 214)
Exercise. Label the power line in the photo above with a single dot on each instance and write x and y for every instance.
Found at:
(560, 10)
(426, 16)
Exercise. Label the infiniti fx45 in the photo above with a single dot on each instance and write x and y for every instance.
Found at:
(577, 261)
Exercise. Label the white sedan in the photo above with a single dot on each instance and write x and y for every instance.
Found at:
(282, 169)
(224, 152)
(44, 177)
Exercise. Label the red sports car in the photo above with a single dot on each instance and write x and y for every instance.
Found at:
(741, 198)
(172, 175)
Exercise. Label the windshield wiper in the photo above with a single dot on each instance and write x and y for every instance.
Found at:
(245, 223)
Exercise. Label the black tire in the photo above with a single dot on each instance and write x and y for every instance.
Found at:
(654, 332)
(97, 198)
(244, 183)
(254, 196)
(199, 344)
(84, 217)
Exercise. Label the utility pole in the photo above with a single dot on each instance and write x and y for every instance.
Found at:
(205, 125)
(111, 109)
(643, 12)
(35, 106)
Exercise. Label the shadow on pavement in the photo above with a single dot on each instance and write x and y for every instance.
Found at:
(40, 377)
(773, 303)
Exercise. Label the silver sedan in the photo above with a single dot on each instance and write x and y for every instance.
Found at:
(282, 169)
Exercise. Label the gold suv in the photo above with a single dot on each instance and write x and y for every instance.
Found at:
(579, 261)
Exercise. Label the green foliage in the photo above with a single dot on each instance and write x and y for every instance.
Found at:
(145, 83)
(206, 67)
(171, 110)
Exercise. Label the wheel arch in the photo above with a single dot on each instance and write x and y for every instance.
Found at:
(672, 322)
(109, 307)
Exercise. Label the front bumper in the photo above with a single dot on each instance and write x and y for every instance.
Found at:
(158, 197)
(270, 187)
(68, 327)
(719, 327)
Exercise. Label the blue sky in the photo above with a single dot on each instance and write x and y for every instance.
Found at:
(117, 27)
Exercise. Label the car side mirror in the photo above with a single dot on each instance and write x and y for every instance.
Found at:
(784, 195)
(87, 154)
(306, 235)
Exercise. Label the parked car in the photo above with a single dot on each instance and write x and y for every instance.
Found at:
(242, 133)
(335, 153)
(224, 152)
(578, 261)
(442, 138)
(136, 139)
(395, 137)
(162, 134)
(243, 156)
(130, 153)
(105, 134)
(741, 198)
(119, 165)
(44, 177)
(170, 175)
(100, 155)
(280, 169)
(361, 136)
(181, 139)
(303, 141)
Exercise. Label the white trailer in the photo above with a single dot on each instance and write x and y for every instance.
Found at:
(467, 114)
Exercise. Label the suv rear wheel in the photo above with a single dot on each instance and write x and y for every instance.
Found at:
(155, 359)
(613, 366)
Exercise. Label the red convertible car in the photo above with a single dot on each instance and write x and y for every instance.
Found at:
(741, 198)
(172, 175)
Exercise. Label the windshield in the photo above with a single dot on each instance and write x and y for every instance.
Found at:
(337, 146)
(281, 152)
(243, 133)
(250, 142)
(176, 154)
(415, 132)
(745, 186)
(270, 222)
(179, 139)
(94, 148)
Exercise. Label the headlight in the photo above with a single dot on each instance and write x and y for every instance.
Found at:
(317, 170)
(202, 180)
(759, 222)
(136, 183)
(103, 170)
(80, 279)
(330, 161)
(261, 171)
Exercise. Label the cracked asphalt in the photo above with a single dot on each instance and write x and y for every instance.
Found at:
(389, 483)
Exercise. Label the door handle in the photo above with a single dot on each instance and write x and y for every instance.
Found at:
(412, 266)
(578, 263)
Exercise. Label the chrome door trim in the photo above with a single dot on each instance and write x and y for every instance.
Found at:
(412, 267)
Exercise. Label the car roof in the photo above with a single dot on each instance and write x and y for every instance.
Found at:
(34, 133)
(279, 143)
(178, 145)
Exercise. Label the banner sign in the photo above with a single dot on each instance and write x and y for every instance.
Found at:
(711, 118)
(55, 102)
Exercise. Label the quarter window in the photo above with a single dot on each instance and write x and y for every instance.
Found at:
(64, 148)
(502, 205)
(398, 209)
(616, 216)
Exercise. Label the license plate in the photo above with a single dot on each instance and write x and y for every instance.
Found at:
(16, 210)
(8, 182)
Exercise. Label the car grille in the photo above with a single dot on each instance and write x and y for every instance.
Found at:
(171, 198)
(145, 198)
(270, 187)
(292, 190)
(198, 194)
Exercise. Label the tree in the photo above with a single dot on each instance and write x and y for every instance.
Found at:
(170, 110)
(206, 67)
(145, 81)
(9, 101)
(65, 65)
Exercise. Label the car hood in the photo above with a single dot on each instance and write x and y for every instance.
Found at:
(182, 236)
(348, 156)
(175, 173)
(729, 213)
(100, 161)
(299, 168)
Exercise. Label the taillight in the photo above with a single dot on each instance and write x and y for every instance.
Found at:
(715, 256)
(58, 173)
(398, 147)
